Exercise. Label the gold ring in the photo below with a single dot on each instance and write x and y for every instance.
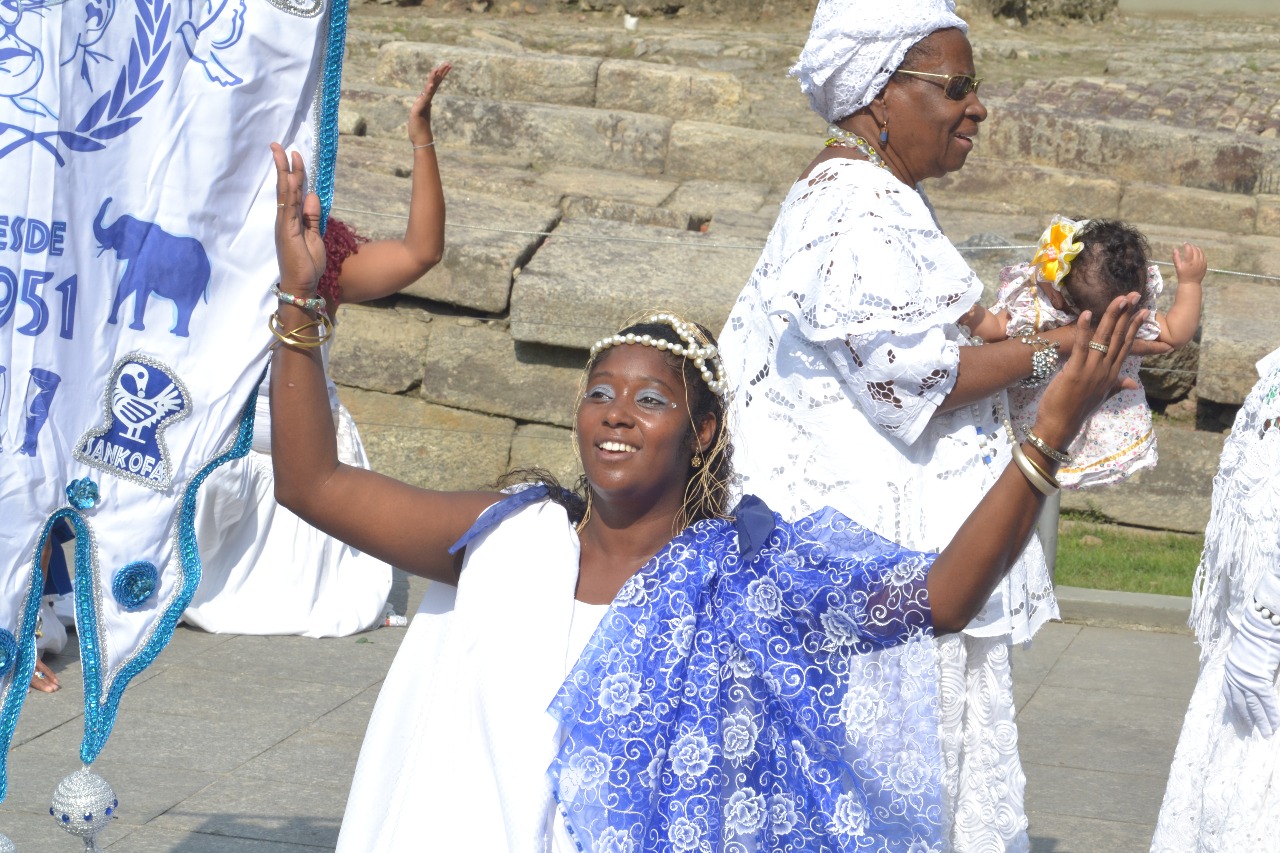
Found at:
(1102, 348)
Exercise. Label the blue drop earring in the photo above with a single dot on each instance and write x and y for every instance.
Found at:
(884, 132)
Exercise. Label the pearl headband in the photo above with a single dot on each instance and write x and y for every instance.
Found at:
(703, 355)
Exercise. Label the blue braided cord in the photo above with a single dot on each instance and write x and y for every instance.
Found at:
(330, 93)
(15, 691)
(99, 713)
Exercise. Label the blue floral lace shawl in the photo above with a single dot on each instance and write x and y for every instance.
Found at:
(783, 700)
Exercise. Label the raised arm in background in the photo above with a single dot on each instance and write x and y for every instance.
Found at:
(384, 267)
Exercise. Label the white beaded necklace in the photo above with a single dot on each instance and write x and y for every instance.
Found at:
(987, 444)
(841, 138)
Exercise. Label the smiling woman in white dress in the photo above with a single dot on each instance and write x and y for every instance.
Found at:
(748, 683)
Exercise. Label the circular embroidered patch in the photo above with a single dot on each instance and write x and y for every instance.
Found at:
(135, 583)
(82, 494)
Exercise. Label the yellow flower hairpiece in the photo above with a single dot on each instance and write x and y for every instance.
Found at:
(1057, 250)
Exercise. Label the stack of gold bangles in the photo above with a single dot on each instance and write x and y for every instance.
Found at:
(298, 337)
(1041, 479)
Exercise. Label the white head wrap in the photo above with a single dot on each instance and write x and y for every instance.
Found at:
(855, 45)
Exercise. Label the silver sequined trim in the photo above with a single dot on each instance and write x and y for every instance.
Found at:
(299, 8)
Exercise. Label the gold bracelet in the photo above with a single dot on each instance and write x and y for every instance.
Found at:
(1040, 470)
(1036, 476)
(1051, 452)
(291, 337)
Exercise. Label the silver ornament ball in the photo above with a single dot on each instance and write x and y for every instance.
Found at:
(83, 803)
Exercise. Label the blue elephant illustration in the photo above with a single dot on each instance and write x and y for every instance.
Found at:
(159, 264)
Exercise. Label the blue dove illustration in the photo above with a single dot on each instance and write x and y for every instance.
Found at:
(221, 28)
(84, 22)
(21, 63)
(134, 410)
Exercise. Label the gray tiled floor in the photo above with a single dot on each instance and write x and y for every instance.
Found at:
(247, 744)
(1100, 710)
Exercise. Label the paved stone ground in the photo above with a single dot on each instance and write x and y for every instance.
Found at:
(233, 744)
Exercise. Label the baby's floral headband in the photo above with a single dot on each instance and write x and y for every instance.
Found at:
(1058, 249)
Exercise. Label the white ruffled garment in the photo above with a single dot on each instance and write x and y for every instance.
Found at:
(840, 349)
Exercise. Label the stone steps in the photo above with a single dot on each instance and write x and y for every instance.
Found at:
(658, 181)
(1170, 155)
(1218, 174)
(584, 208)
(568, 295)
(572, 81)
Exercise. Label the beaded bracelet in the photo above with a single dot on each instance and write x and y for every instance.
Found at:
(311, 304)
(1266, 612)
(1051, 452)
(1044, 361)
(1036, 476)
(290, 338)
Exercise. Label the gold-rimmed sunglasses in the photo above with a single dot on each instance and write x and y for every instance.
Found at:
(955, 86)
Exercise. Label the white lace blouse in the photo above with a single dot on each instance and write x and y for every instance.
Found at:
(840, 349)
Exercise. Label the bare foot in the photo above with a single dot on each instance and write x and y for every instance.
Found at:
(44, 679)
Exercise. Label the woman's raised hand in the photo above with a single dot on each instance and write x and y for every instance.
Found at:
(1092, 371)
(420, 112)
(299, 246)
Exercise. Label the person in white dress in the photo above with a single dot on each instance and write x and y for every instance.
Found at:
(854, 386)
(631, 668)
(263, 570)
(1223, 792)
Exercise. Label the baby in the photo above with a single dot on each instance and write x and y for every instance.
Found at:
(1110, 260)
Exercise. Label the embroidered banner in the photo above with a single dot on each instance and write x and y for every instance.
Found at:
(136, 258)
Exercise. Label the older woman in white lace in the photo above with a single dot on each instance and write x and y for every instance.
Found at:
(856, 386)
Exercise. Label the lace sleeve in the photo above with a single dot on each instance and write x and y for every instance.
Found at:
(785, 703)
(870, 279)
(870, 265)
(898, 381)
(1150, 328)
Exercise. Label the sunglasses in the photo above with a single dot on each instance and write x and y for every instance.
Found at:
(955, 86)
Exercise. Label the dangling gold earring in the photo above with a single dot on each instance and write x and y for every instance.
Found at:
(697, 461)
(586, 515)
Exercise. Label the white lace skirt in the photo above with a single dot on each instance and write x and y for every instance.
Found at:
(1223, 794)
(265, 571)
(982, 779)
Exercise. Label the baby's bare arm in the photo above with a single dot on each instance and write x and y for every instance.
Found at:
(988, 325)
(1180, 324)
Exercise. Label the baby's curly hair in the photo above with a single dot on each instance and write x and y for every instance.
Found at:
(1113, 263)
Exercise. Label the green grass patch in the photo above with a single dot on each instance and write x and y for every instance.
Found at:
(1108, 556)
